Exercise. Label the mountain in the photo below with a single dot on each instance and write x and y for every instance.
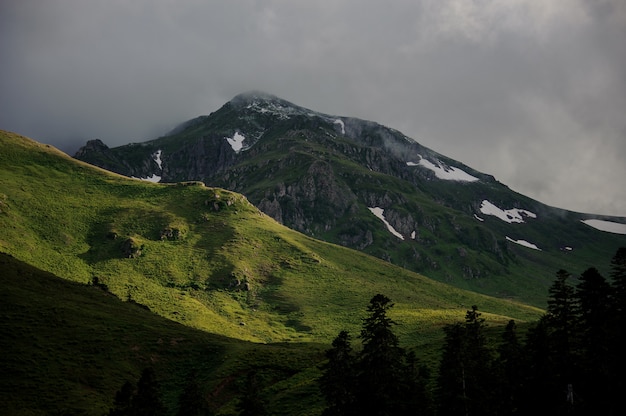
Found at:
(103, 275)
(198, 255)
(369, 187)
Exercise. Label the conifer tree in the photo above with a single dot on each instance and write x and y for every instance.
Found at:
(617, 376)
(561, 318)
(191, 401)
(452, 398)
(382, 379)
(481, 386)
(122, 406)
(511, 369)
(380, 362)
(147, 399)
(594, 317)
(251, 403)
(338, 383)
(542, 391)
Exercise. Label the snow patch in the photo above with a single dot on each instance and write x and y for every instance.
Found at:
(510, 215)
(523, 243)
(236, 142)
(608, 226)
(413, 235)
(157, 159)
(380, 213)
(342, 125)
(154, 178)
(448, 173)
(478, 218)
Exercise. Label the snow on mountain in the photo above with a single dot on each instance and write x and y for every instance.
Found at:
(380, 213)
(513, 215)
(342, 125)
(154, 178)
(608, 226)
(448, 173)
(157, 159)
(523, 243)
(236, 142)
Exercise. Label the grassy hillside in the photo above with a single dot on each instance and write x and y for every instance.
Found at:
(209, 259)
(202, 257)
(319, 175)
(67, 348)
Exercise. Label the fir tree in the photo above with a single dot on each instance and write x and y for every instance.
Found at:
(122, 406)
(380, 361)
(452, 396)
(594, 329)
(617, 374)
(511, 368)
(251, 403)
(147, 399)
(338, 383)
(191, 401)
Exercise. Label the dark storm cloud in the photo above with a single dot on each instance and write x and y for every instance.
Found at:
(533, 92)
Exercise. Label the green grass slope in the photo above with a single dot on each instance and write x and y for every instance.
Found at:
(197, 256)
(209, 259)
(67, 348)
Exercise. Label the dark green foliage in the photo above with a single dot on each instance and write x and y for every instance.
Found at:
(617, 357)
(191, 401)
(451, 386)
(562, 320)
(145, 400)
(382, 379)
(122, 406)
(338, 380)
(538, 390)
(466, 383)
(251, 402)
(510, 370)
(594, 331)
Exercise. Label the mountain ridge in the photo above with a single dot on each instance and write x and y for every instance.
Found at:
(328, 176)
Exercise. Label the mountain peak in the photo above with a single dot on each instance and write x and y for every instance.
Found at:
(256, 97)
(262, 102)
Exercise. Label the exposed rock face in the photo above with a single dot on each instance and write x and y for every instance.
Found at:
(99, 154)
(319, 174)
(131, 248)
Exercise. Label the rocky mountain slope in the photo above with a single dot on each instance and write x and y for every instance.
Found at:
(369, 187)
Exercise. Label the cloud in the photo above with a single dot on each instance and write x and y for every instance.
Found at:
(516, 88)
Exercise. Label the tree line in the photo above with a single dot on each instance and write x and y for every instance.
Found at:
(570, 362)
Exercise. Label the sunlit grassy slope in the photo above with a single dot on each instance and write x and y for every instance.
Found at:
(68, 347)
(211, 284)
(209, 259)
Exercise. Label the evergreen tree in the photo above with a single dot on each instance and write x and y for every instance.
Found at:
(251, 402)
(383, 379)
(466, 384)
(617, 379)
(561, 318)
(381, 361)
(191, 401)
(511, 370)
(593, 292)
(147, 400)
(452, 396)
(480, 385)
(541, 393)
(338, 383)
(418, 398)
(122, 406)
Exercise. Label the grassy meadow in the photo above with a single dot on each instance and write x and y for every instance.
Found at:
(180, 276)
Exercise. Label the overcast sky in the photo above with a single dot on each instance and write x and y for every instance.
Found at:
(530, 91)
